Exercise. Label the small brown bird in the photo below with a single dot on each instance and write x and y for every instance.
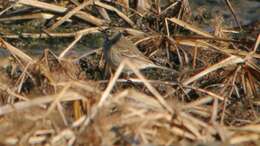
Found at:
(117, 47)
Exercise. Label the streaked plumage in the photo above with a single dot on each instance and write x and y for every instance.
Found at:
(117, 48)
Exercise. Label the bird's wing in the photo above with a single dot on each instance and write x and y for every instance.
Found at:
(127, 48)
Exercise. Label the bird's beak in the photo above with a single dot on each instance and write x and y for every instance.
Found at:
(103, 29)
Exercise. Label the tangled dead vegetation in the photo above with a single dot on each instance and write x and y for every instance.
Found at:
(63, 96)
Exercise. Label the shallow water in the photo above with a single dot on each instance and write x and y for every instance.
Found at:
(246, 10)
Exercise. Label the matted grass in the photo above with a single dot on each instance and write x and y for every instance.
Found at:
(70, 98)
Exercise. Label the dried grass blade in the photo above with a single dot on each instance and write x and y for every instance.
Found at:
(226, 62)
(249, 137)
(143, 6)
(70, 96)
(43, 5)
(149, 102)
(192, 127)
(252, 86)
(200, 101)
(125, 3)
(85, 31)
(180, 132)
(257, 43)
(150, 87)
(249, 128)
(88, 30)
(6, 9)
(194, 120)
(233, 13)
(104, 13)
(203, 44)
(70, 14)
(104, 97)
(111, 8)
(57, 99)
(80, 14)
(13, 50)
(208, 92)
(29, 16)
(190, 27)
(63, 53)
(170, 7)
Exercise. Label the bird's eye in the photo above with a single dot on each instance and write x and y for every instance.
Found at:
(108, 32)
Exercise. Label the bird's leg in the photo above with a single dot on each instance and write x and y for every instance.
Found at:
(106, 71)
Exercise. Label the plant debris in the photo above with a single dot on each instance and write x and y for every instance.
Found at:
(56, 89)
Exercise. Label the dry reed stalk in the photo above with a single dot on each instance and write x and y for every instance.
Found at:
(190, 27)
(83, 32)
(234, 14)
(29, 16)
(123, 115)
(228, 61)
(203, 44)
(70, 14)
(37, 102)
(63, 53)
(16, 52)
(143, 6)
(80, 14)
(111, 8)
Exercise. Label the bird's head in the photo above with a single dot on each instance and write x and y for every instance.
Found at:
(107, 32)
(111, 36)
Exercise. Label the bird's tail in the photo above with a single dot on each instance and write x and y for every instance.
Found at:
(164, 68)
